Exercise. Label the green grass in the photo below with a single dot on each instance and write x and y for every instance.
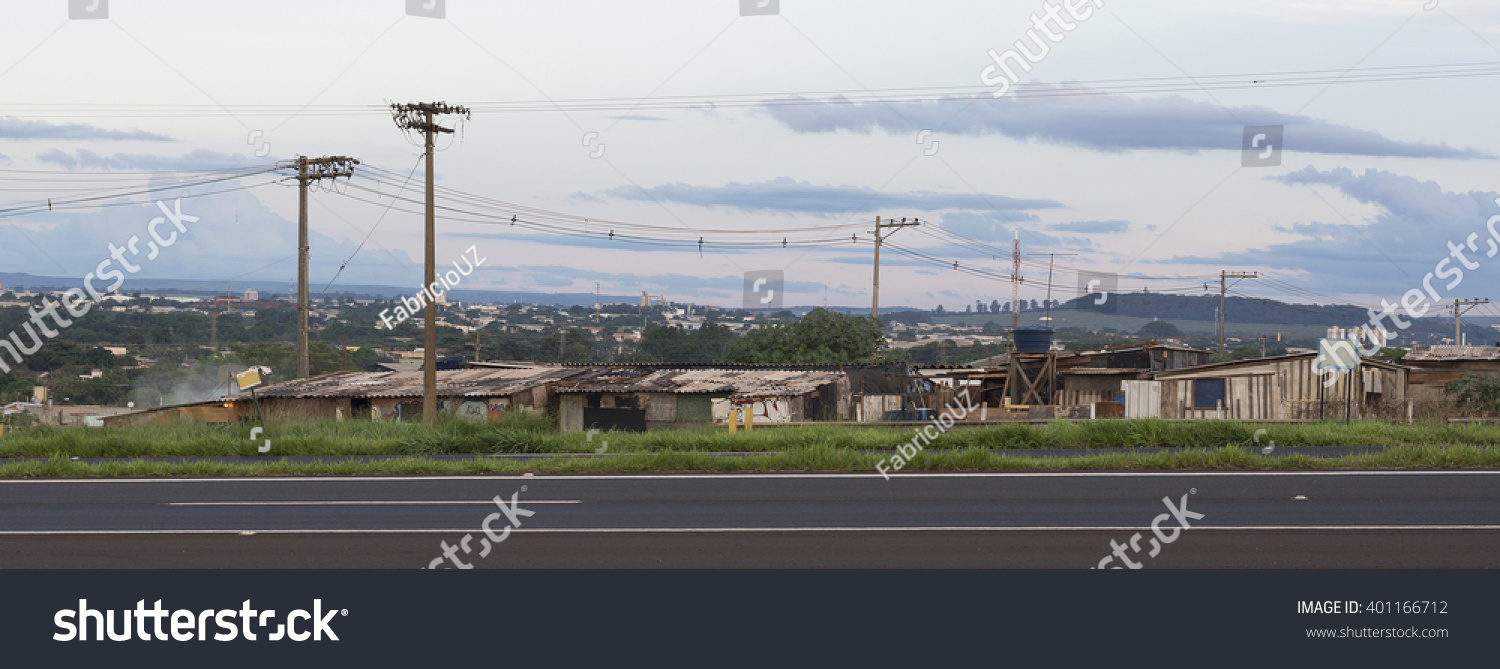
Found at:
(817, 459)
(525, 433)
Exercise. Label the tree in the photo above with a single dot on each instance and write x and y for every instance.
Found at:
(1159, 329)
(672, 344)
(821, 337)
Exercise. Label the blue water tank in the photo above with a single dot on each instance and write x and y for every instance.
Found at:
(1032, 338)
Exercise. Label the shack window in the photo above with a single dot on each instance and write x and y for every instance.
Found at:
(1207, 393)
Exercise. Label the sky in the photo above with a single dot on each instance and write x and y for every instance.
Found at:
(1088, 153)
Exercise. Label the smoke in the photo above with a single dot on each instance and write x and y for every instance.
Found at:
(187, 385)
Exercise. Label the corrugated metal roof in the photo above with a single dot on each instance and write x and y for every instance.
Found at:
(481, 382)
(1091, 371)
(1421, 353)
(735, 382)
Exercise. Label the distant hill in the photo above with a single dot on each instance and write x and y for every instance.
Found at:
(1170, 307)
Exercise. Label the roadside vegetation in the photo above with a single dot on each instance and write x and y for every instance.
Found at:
(815, 459)
(524, 433)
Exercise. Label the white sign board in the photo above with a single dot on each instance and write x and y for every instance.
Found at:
(1337, 354)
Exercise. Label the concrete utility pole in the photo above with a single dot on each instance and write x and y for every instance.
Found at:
(1015, 283)
(879, 238)
(1052, 260)
(1459, 311)
(419, 117)
(309, 170)
(1223, 289)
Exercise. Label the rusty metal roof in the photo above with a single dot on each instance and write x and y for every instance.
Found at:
(1420, 353)
(735, 382)
(482, 382)
(1102, 371)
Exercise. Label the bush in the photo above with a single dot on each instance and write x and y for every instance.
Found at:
(1479, 392)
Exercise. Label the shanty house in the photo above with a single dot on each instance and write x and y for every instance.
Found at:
(640, 398)
(1434, 367)
(1275, 388)
(476, 393)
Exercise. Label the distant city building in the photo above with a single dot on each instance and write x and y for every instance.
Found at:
(252, 295)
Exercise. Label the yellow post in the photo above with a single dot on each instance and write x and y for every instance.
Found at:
(734, 418)
(2, 430)
(749, 416)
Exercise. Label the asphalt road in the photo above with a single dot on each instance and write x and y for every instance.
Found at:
(971, 520)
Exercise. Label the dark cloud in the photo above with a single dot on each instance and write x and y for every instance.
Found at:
(15, 128)
(1391, 252)
(1092, 227)
(789, 196)
(1110, 123)
(88, 160)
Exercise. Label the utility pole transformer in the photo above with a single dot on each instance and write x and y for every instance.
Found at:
(1223, 289)
(879, 238)
(309, 170)
(419, 117)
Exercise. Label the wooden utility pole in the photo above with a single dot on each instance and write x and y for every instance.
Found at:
(879, 238)
(213, 330)
(1223, 289)
(476, 346)
(1052, 260)
(419, 117)
(1459, 311)
(309, 170)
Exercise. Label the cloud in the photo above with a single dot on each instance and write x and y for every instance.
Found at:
(789, 196)
(695, 287)
(236, 234)
(1092, 227)
(15, 128)
(86, 159)
(1388, 254)
(1108, 123)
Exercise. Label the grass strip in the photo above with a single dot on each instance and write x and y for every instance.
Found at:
(817, 459)
(528, 433)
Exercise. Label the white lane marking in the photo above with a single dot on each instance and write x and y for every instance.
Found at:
(669, 477)
(368, 503)
(688, 530)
